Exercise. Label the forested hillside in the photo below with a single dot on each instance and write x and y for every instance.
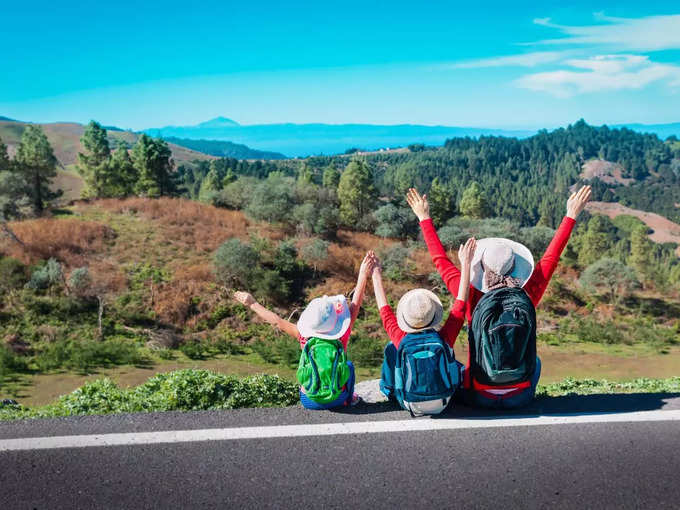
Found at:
(223, 149)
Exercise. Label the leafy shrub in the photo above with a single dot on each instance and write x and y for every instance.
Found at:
(536, 239)
(612, 275)
(79, 279)
(86, 355)
(12, 274)
(272, 199)
(315, 252)
(194, 349)
(288, 351)
(235, 263)
(266, 350)
(395, 262)
(45, 277)
(225, 346)
(10, 362)
(182, 390)
(236, 195)
(165, 354)
(366, 351)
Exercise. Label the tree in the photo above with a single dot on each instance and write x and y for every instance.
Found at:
(123, 173)
(356, 193)
(393, 221)
(331, 177)
(152, 159)
(612, 275)
(441, 203)
(210, 186)
(641, 252)
(272, 198)
(13, 197)
(37, 165)
(315, 252)
(236, 264)
(474, 202)
(94, 164)
(597, 241)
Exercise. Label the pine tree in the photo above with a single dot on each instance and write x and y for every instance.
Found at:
(641, 252)
(152, 160)
(210, 185)
(331, 177)
(441, 203)
(597, 241)
(4, 157)
(356, 192)
(94, 165)
(123, 173)
(37, 166)
(474, 202)
(13, 197)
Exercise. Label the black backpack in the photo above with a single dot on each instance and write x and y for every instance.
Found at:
(502, 338)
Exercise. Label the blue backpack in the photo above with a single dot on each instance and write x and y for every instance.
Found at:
(426, 373)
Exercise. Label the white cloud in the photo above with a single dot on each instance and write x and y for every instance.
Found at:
(651, 33)
(522, 60)
(602, 73)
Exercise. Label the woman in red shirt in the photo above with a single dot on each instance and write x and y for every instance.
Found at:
(535, 286)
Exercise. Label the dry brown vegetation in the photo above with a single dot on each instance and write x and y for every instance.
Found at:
(70, 241)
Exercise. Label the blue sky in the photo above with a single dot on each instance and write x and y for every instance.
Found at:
(490, 64)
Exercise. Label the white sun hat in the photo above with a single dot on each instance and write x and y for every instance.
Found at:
(502, 256)
(325, 317)
(419, 309)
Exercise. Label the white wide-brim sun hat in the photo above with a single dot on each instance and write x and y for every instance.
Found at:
(503, 256)
(326, 317)
(419, 309)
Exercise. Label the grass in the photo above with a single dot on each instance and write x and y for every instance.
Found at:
(191, 390)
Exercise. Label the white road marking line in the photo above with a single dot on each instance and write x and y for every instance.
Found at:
(326, 429)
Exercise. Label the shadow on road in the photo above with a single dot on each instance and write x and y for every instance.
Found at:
(570, 404)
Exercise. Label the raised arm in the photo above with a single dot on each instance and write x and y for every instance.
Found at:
(267, 315)
(364, 272)
(387, 316)
(449, 273)
(545, 268)
(451, 328)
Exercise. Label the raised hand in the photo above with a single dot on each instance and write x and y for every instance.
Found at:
(244, 298)
(466, 252)
(577, 201)
(367, 264)
(418, 204)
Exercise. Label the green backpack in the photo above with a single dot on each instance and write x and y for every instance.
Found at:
(323, 370)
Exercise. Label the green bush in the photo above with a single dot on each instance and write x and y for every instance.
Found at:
(366, 351)
(86, 355)
(266, 350)
(12, 274)
(46, 276)
(225, 346)
(236, 263)
(182, 390)
(194, 349)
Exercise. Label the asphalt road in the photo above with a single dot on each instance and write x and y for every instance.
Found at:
(572, 465)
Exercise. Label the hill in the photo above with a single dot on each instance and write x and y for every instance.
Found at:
(223, 149)
(65, 140)
(300, 140)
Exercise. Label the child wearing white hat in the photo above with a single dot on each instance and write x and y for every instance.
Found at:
(326, 318)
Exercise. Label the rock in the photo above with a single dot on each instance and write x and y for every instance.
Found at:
(370, 392)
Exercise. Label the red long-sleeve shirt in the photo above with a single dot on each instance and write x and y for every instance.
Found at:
(535, 286)
(449, 331)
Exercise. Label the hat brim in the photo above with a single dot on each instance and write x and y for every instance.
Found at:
(436, 319)
(522, 269)
(341, 326)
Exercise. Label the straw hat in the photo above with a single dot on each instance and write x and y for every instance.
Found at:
(326, 317)
(502, 256)
(419, 309)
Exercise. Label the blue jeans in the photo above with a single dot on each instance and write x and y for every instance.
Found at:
(476, 399)
(345, 396)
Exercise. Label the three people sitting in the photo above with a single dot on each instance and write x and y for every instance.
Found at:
(498, 287)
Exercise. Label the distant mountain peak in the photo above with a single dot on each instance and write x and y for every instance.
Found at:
(218, 122)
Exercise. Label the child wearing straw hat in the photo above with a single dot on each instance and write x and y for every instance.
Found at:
(506, 282)
(418, 318)
(323, 330)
